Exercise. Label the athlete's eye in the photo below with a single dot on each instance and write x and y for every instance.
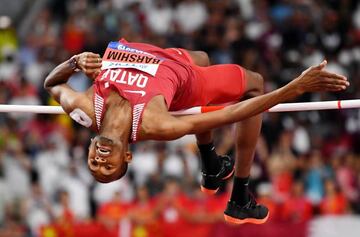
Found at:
(107, 167)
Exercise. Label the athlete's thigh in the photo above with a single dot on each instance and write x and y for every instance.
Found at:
(223, 83)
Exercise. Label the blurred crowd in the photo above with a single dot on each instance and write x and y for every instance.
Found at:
(307, 163)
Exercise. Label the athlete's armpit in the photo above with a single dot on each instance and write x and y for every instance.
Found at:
(166, 128)
(158, 124)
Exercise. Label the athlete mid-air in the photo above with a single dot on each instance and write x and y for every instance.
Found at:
(135, 85)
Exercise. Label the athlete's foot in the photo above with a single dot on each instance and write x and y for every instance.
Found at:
(210, 183)
(250, 213)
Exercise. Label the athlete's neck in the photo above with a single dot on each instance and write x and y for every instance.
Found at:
(117, 118)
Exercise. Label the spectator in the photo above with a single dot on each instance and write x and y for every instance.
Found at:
(4, 191)
(280, 165)
(105, 192)
(26, 94)
(78, 188)
(143, 215)
(190, 9)
(144, 162)
(159, 17)
(297, 208)
(110, 213)
(168, 207)
(62, 211)
(346, 177)
(38, 209)
(314, 178)
(49, 164)
(334, 202)
(8, 37)
(16, 169)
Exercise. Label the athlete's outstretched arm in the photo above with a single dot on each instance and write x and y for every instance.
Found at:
(312, 80)
(55, 82)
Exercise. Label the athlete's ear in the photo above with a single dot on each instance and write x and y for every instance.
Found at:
(128, 157)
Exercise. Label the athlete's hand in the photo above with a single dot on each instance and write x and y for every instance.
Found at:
(315, 79)
(89, 63)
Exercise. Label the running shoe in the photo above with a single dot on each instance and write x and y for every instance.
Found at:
(250, 213)
(210, 183)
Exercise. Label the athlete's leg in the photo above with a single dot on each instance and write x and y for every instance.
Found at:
(230, 83)
(199, 58)
(211, 163)
(226, 83)
(209, 159)
(242, 208)
(247, 133)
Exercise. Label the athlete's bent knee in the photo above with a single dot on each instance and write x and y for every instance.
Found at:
(259, 83)
(201, 58)
(255, 84)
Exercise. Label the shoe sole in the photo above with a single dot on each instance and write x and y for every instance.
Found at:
(213, 191)
(236, 221)
(208, 191)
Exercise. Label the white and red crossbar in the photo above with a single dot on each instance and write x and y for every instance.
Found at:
(286, 107)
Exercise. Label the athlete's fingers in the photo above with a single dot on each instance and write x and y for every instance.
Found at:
(327, 87)
(94, 60)
(330, 80)
(90, 60)
(332, 87)
(332, 75)
(91, 55)
(88, 57)
(84, 66)
(92, 65)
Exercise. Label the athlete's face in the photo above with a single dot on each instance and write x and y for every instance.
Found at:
(108, 159)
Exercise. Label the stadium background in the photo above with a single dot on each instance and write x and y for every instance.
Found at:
(307, 166)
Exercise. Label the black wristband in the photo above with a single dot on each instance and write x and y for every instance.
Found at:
(73, 64)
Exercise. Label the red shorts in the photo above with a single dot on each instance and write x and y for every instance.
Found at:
(217, 84)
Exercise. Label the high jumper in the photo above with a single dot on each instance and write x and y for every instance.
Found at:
(136, 85)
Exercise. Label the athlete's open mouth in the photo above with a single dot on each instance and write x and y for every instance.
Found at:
(103, 150)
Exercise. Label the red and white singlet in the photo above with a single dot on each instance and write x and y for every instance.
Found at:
(139, 71)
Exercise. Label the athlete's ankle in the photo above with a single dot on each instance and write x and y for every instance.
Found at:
(240, 193)
(210, 163)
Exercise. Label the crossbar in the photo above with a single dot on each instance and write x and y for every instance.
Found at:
(285, 107)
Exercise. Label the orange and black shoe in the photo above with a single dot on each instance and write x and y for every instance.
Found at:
(210, 183)
(250, 213)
